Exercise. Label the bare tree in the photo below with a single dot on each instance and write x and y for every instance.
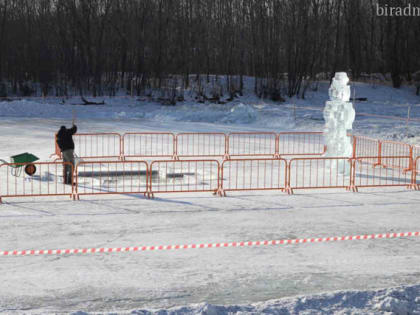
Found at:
(100, 46)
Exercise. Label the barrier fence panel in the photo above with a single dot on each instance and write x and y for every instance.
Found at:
(416, 166)
(57, 151)
(184, 176)
(416, 151)
(416, 174)
(200, 144)
(396, 149)
(97, 145)
(314, 173)
(47, 180)
(253, 174)
(252, 144)
(111, 177)
(148, 144)
(364, 175)
(364, 147)
(301, 143)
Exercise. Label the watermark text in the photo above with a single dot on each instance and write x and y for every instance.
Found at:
(387, 10)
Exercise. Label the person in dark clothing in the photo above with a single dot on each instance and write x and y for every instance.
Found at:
(66, 145)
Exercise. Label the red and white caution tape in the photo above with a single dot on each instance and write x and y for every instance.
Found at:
(210, 245)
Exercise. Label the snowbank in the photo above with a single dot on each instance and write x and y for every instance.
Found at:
(241, 114)
(246, 111)
(400, 301)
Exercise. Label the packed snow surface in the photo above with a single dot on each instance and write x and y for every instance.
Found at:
(351, 277)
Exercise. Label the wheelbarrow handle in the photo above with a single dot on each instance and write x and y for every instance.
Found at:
(4, 162)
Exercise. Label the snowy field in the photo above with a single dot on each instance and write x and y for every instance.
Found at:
(350, 277)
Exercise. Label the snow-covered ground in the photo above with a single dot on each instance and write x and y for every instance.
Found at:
(245, 113)
(289, 279)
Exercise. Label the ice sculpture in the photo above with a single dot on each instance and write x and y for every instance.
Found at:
(339, 116)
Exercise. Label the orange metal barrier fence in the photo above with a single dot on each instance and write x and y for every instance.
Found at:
(316, 173)
(252, 144)
(184, 176)
(364, 146)
(364, 175)
(171, 176)
(301, 143)
(94, 146)
(182, 145)
(396, 149)
(111, 177)
(148, 144)
(236, 144)
(47, 180)
(57, 151)
(416, 151)
(99, 145)
(253, 174)
(416, 166)
(416, 173)
(378, 150)
(201, 144)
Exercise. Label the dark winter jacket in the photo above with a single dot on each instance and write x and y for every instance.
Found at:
(65, 139)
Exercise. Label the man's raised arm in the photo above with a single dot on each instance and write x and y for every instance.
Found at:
(73, 129)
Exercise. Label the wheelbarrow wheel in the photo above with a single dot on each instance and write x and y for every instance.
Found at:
(30, 169)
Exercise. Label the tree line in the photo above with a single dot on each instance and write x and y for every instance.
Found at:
(99, 47)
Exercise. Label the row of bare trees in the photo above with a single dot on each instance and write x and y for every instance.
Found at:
(98, 47)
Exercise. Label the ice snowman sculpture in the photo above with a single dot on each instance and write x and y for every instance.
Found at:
(339, 116)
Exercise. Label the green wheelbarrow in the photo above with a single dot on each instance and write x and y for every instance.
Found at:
(22, 161)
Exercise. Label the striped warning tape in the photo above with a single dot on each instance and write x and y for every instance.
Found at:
(210, 245)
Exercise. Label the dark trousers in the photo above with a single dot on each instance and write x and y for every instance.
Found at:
(68, 156)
